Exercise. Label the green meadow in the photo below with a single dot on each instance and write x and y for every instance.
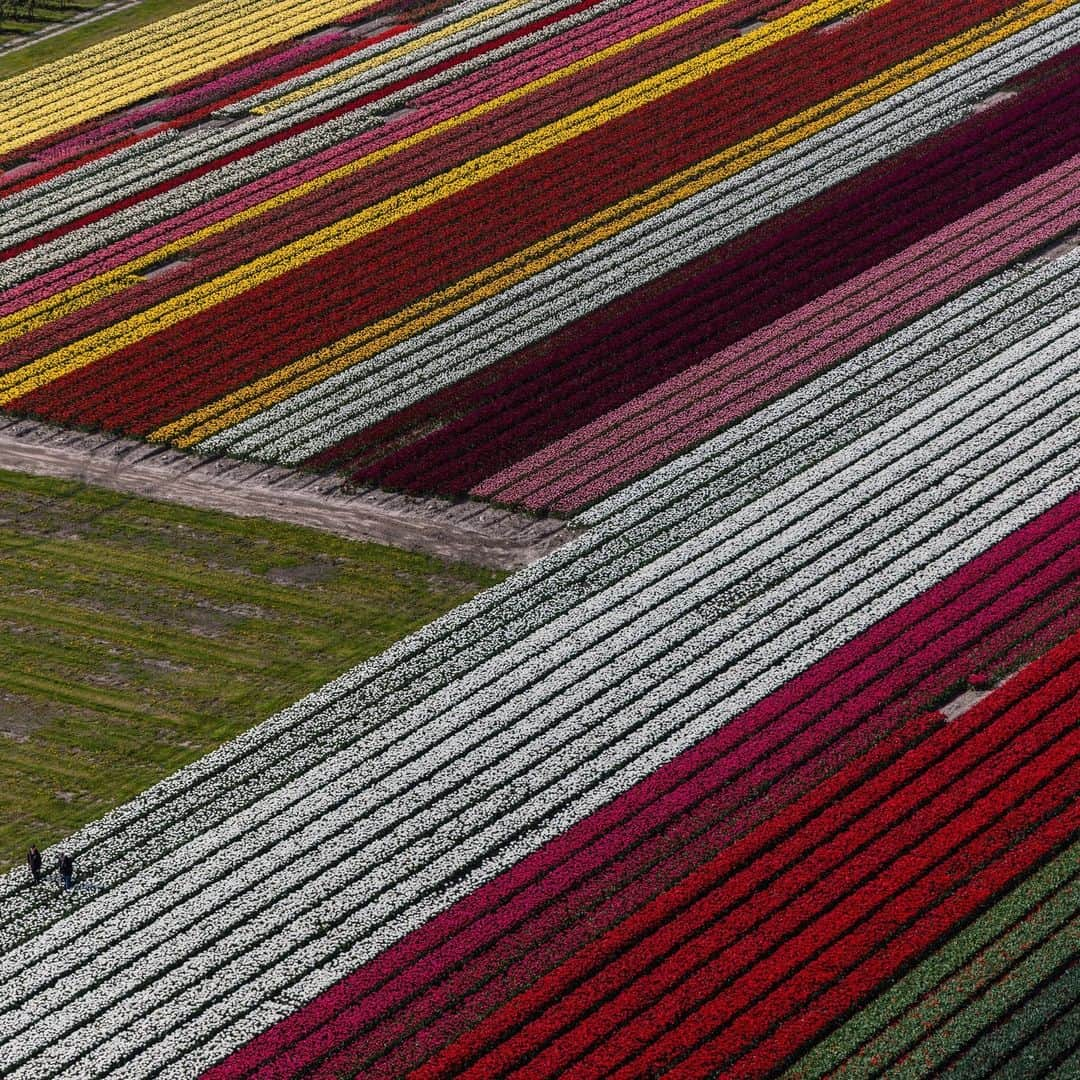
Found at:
(136, 636)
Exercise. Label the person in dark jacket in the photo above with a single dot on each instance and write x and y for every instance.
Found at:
(67, 870)
(33, 860)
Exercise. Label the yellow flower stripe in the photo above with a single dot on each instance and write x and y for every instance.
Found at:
(389, 56)
(383, 213)
(122, 277)
(133, 66)
(298, 376)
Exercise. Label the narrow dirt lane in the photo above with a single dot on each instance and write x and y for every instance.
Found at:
(469, 532)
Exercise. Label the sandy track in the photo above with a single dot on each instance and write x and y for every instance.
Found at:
(467, 531)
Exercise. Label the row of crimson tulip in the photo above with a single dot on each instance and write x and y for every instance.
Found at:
(547, 390)
(295, 123)
(332, 295)
(322, 207)
(731, 946)
(545, 399)
(313, 164)
(684, 410)
(869, 686)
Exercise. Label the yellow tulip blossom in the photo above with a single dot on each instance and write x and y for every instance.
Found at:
(134, 66)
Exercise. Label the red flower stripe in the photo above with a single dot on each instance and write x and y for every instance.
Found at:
(308, 213)
(987, 608)
(498, 77)
(733, 931)
(690, 407)
(326, 298)
(604, 360)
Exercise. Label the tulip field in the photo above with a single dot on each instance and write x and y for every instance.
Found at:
(773, 768)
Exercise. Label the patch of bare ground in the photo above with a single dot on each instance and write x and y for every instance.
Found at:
(457, 531)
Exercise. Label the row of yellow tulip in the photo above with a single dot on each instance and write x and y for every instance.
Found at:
(290, 256)
(124, 276)
(134, 66)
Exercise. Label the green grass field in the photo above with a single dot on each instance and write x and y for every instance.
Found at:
(82, 37)
(135, 636)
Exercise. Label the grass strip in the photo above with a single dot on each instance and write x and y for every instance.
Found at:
(1029, 1032)
(137, 636)
(987, 1011)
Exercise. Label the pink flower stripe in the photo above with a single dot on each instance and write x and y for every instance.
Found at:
(189, 104)
(727, 927)
(185, 105)
(606, 29)
(677, 414)
(489, 131)
(965, 621)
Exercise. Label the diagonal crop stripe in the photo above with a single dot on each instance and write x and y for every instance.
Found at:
(487, 13)
(429, 796)
(388, 210)
(123, 276)
(486, 332)
(293, 378)
(499, 940)
(143, 62)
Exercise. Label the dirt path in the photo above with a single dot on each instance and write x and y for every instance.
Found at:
(467, 532)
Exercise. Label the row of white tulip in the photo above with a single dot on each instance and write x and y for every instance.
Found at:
(109, 179)
(996, 309)
(318, 417)
(1033, 287)
(587, 697)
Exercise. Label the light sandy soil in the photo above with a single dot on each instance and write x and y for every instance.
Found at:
(468, 531)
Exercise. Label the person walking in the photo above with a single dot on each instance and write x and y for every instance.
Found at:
(33, 861)
(67, 870)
